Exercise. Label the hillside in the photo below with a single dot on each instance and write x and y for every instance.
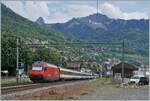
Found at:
(100, 28)
(14, 24)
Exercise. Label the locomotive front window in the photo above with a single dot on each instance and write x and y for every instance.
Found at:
(36, 68)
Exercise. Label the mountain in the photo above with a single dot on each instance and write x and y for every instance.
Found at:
(13, 24)
(40, 21)
(100, 28)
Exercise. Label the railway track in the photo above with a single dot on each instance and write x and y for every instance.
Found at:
(13, 89)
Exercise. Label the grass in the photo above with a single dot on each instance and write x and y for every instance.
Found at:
(55, 97)
(8, 81)
(84, 93)
(72, 98)
(12, 82)
(61, 97)
(134, 86)
(100, 82)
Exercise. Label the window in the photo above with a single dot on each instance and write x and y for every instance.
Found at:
(135, 77)
(36, 68)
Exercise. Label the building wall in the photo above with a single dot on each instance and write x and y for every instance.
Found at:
(142, 71)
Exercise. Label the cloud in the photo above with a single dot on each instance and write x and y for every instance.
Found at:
(113, 11)
(36, 9)
(62, 11)
(29, 9)
(15, 6)
(67, 12)
(51, 11)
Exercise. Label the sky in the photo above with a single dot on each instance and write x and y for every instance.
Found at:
(59, 11)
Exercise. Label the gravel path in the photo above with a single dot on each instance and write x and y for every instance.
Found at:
(111, 92)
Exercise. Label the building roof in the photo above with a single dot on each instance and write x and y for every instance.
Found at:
(73, 64)
(126, 66)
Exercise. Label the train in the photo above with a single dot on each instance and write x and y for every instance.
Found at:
(43, 72)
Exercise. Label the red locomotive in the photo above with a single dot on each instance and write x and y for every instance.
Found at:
(42, 71)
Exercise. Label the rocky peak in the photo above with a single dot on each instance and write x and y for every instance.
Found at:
(40, 21)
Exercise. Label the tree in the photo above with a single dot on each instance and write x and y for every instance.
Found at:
(8, 61)
(49, 55)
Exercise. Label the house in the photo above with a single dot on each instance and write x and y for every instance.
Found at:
(143, 70)
(108, 65)
(128, 70)
(73, 65)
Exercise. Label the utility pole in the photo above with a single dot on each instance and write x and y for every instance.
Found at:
(101, 71)
(97, 11)
(123, 61)
(97, 6)
(17, 59)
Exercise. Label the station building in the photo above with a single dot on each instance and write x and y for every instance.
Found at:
(128, 70)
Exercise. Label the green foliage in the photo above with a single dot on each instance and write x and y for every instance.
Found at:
(47, 55)
(14, 26)
(8, 52)
(26, 55)
(100, 82)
